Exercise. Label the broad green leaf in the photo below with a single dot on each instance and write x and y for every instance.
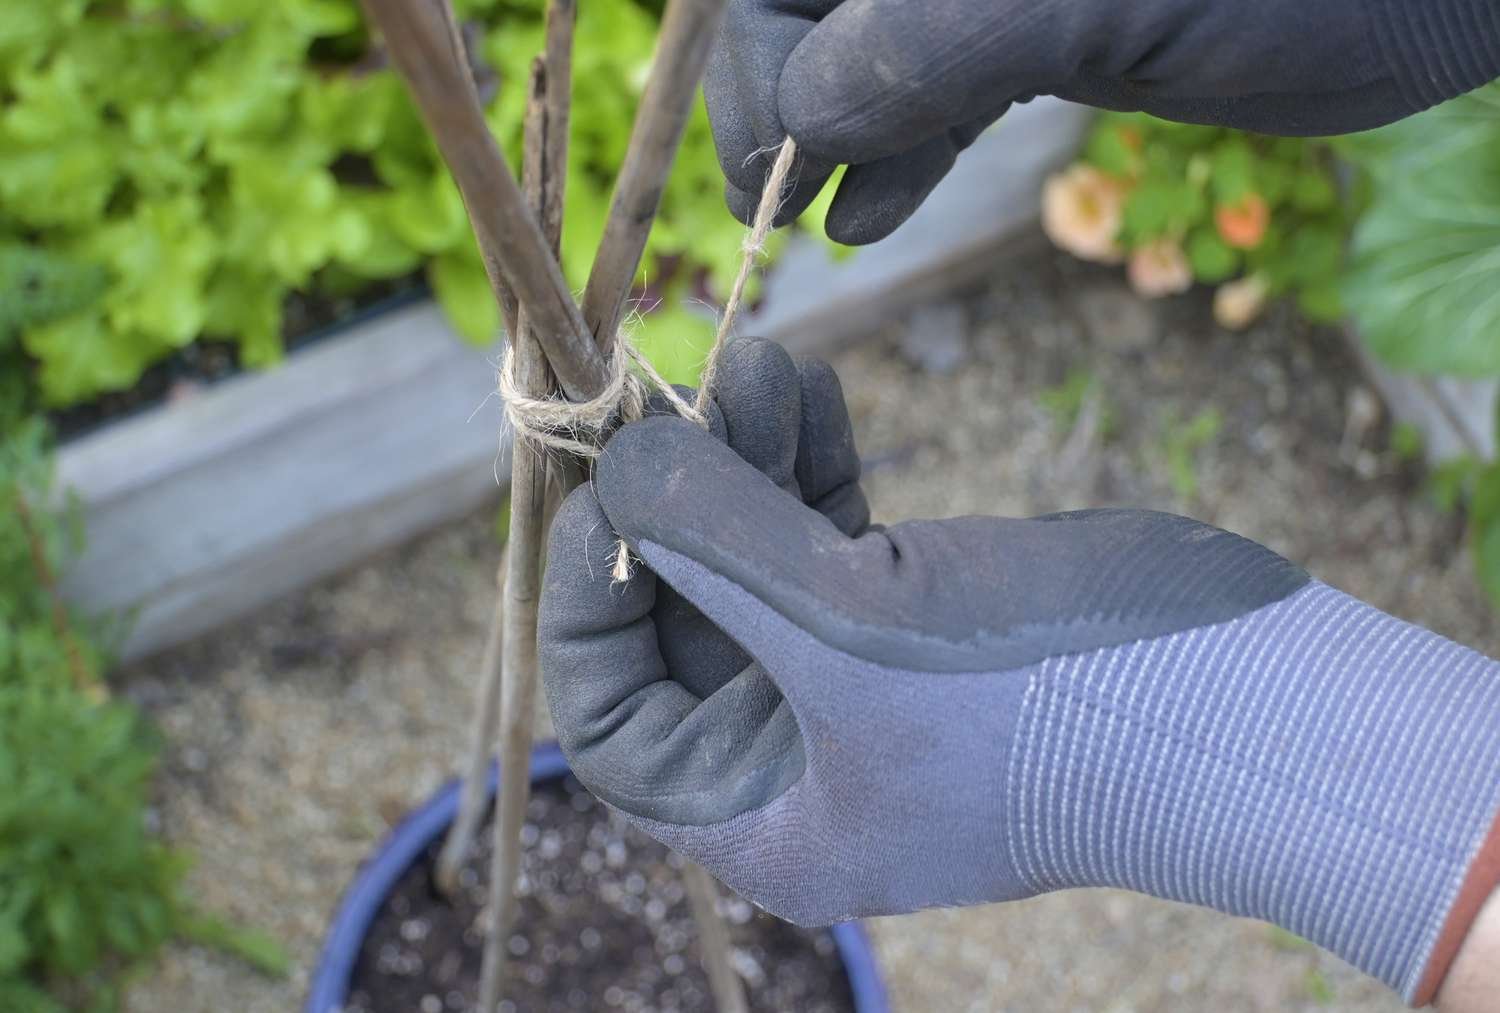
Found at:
(40, 286)
(1211, 258)
(1321, 302)
(1233, 170)
(459, 282)
(1313, 191)
(676, 340)
(430, 218)
(1425, 281)
(1110, 147)
(245, 305)
(83, 355)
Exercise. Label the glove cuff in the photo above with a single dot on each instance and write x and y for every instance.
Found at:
(1439, 49)
(1317, 764)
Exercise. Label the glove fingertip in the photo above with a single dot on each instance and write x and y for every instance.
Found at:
(645, 466)
(741, 204)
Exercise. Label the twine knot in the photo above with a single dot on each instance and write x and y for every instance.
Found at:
(580, 427)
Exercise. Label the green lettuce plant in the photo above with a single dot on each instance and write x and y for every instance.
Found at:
(209, 157)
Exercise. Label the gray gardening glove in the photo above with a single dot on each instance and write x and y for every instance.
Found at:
(840, 721)
(897, 88)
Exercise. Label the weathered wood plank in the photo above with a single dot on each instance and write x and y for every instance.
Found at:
(201, 511)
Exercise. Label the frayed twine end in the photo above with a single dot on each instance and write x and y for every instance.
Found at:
(620, 572)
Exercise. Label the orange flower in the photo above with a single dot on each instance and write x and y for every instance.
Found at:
(1158, 269)
(1243, 225)
(1082, 209)
(1237, 304)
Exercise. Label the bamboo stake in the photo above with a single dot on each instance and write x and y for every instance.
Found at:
(687, 34)
(420, 36)
(544, 176)
(689, 28)
(544, 181)
(713, 940)
(424, 45)
(460, 839)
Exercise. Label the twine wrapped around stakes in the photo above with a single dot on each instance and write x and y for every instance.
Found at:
(579, 427)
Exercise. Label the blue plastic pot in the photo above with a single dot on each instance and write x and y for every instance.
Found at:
(407, 842)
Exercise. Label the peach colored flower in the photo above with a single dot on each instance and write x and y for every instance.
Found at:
(1159, 268)
(1081, 213)
(1243, 225)
(1237, 304)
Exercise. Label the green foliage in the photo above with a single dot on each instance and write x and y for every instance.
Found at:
(1317, 987)
(1181, 443)
(1467, 483)
(1065, 402)
(1237, 204)
(1286, 942)
(1424, 284)
(1426, 271)
(1406, 441)
(208, 157)
(254, 947)
(86, 891)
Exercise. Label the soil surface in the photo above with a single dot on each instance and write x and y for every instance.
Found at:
(296, 738)
(604, 923)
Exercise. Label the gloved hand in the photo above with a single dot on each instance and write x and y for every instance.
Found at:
(897, 88)
(839, 720)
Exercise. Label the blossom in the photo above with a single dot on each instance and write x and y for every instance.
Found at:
(1081, 213)
(1159, 268)
(1243, 224)
(1238, 303)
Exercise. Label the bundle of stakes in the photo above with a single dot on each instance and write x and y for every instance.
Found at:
(558, 346)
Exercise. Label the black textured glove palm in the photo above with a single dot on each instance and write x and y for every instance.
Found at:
(897, 88)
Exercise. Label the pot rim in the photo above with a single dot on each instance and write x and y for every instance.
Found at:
(407, 841)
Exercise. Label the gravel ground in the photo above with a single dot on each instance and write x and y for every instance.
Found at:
(298, 737)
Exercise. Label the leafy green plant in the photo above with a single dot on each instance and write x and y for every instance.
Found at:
(1424, 283)
(86, 890)
(1066, 401)
(1260, 217)
(209, 157)
(1181, 443)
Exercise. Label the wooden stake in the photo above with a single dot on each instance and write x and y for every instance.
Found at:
(420, 36)
(713, 940)
(425, 45)
(688, 30)
(544, 181)
(460, 839)
(544, 176)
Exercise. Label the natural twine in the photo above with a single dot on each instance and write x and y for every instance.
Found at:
(577, 427)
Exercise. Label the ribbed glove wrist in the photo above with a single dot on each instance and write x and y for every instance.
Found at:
(1439, 49)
